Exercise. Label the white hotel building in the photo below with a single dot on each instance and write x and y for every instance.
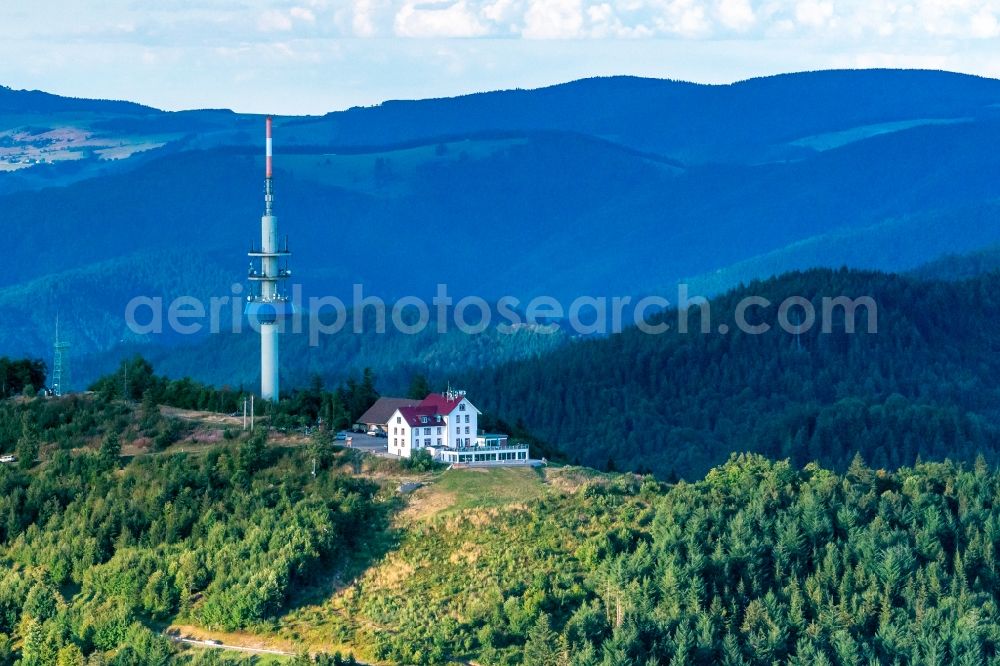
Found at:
(447, 426)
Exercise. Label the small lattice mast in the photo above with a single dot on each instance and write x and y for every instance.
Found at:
(60, 364)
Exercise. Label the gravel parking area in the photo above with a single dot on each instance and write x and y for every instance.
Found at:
(365, 442)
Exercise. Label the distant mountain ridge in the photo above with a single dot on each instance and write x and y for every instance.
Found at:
(21, 101)
(615, 186)
(665, 116)
(954, 266)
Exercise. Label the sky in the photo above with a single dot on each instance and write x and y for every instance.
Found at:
(316, 56)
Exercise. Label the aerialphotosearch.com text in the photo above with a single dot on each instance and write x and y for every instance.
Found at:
(585, 315)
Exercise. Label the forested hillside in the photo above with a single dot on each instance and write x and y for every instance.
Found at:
(678, 404)
(757, 563)
(961, 266)
(100, 553)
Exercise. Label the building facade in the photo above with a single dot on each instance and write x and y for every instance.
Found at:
(447, 426)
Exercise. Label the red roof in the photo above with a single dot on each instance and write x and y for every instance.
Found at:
(441, 403)
(432, 406)
(414, 415)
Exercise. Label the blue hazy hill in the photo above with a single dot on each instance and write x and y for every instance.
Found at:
(37, 101)
(698, 123)
(616, 186)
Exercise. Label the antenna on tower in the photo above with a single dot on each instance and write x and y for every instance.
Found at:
(60, 364)
(266, 303)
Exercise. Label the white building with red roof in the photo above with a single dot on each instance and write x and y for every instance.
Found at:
(447, 426)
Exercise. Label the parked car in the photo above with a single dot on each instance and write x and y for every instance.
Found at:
(7, 459)
(341, 436)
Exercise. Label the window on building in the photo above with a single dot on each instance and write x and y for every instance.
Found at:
(399, 419)
(439, 430)
(466, 418)
(427, 442)
(439, 441)
(427, 431)
(466, 430)
(458, 430)
(461, 407)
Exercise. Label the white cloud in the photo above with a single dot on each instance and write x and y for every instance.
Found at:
(274, 21)
(603, 21)
(424, 19)
(813, 13)
(502, 11)
(878, 25)
(685, 18)
(553, 19)
(736, 15)
(985, 25)
(303, 14)
(362, 22)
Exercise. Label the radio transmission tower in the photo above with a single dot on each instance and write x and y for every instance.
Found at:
(60, 365)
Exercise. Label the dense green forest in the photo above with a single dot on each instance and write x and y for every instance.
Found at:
(757, 564)
(98, 551)
(135, 380)
(801, 552)
(760, 562)
(923, 386)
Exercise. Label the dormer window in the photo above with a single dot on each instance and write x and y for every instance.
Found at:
(423, 419)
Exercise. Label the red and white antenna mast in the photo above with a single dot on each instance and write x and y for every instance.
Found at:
(268, 307)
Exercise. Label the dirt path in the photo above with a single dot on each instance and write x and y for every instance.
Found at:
(210, 644)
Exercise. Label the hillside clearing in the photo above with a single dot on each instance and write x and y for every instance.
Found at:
(459, 490)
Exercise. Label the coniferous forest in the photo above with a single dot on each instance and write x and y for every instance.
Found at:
(758, 563)
(813, 498)
(100, 549)
(923, 385)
